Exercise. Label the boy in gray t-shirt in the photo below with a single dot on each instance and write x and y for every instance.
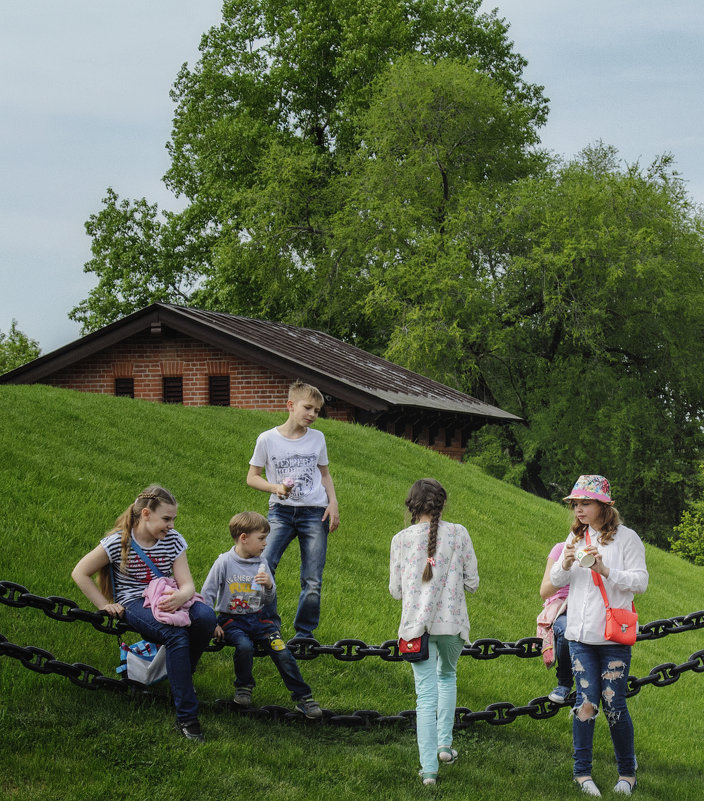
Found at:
(239, 586)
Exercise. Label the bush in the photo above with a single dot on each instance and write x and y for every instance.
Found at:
(688, 541)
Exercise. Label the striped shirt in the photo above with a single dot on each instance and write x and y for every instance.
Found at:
(134, 581)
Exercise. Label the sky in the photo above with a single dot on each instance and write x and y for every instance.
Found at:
(84, 105)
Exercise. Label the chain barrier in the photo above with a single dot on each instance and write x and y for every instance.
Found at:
(496, 714)
(347, 650)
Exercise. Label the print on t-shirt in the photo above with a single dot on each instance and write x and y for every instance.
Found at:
(244, 599)
(301, 468)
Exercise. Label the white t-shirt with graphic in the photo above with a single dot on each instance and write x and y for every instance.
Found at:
(298, 459)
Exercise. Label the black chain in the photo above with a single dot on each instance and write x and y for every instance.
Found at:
(496, 714)
(345, 650)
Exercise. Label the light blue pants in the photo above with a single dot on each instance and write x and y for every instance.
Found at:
(436, 697)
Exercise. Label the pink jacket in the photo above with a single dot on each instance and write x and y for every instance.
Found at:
(155, 590)
(548, 615)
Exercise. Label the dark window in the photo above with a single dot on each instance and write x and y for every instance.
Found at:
(173, 389)
(124, 387)
(219, 390)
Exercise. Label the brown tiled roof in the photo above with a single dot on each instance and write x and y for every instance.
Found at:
(337, 368)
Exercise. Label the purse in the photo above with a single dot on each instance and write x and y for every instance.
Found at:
(621, 624)
(143, 661)
(415, 650)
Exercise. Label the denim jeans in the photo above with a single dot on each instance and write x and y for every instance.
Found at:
(306, 523)
(601, 674)
(241, 631)
(184, 646)
(562, 652)
(436, 697)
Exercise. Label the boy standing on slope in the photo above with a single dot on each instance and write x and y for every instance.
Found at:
(303, 502)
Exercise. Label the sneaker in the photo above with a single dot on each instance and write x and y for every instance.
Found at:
(243, 696)
(588, 787)
(447, 755)
(310, 708)
(624, 787)
(190, 729)
(560, 694)
(428, 779)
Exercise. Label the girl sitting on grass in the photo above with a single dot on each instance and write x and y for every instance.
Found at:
(124, 574)
(432, 565)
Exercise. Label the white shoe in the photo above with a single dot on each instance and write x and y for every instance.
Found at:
(624, 787)
(447, 755)
(588, 787)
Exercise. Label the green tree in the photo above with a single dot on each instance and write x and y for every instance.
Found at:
(595, 340)
(16, 349)
(267, 126)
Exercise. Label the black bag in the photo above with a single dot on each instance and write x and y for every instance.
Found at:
(415, 650)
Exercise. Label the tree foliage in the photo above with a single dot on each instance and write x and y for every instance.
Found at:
(267, 127)
(595, 337)
(16, 349)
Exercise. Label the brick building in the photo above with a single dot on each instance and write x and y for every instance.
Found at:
(171, 354)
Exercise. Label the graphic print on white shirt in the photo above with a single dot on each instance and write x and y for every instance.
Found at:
(302, 468)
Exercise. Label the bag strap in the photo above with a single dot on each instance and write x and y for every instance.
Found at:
(596, 577)
(147, 561)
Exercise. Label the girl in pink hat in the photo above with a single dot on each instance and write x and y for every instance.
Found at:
(609, 550)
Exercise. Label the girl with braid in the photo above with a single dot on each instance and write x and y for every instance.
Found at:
(144, 538)
(432, 566)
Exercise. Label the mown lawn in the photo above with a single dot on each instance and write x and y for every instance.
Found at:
(72, 462)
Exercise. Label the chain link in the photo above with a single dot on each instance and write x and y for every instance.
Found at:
(345, 650)
(496, 714)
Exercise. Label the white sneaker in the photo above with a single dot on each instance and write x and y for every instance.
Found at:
(624, 787)
(588, 787)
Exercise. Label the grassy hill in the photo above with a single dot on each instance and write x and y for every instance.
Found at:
(72, 462)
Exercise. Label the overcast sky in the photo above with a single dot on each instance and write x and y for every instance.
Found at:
(84, 104)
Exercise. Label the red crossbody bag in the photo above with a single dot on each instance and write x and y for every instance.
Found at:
(621, 624)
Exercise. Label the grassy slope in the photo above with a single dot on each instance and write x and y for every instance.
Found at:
(71, 462)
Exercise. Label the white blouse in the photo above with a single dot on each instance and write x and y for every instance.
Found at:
(438, 605)
(628, 575)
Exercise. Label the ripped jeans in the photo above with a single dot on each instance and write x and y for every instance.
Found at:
(601, 675)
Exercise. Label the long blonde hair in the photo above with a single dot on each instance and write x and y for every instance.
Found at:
(427, 497)
(148, 498)
(610, 521)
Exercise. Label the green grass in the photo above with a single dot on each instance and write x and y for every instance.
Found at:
(72, 462)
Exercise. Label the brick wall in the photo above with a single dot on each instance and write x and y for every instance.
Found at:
(148, 359)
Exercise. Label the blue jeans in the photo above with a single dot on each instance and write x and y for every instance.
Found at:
(601, 674)
(562, 652)
(304, 522)
(184, 646)
(241, 631)
(436, 697)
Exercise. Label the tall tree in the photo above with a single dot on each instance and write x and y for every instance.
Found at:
(266, 127)
(597, 331)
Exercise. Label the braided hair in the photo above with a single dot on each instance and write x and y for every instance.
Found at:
(427, 497)
(148, 498)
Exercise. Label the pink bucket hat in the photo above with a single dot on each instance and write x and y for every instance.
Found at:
(595, 488)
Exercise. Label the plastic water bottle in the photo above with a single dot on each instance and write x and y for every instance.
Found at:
(255, 586)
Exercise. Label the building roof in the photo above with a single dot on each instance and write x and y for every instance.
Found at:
(335, 367)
